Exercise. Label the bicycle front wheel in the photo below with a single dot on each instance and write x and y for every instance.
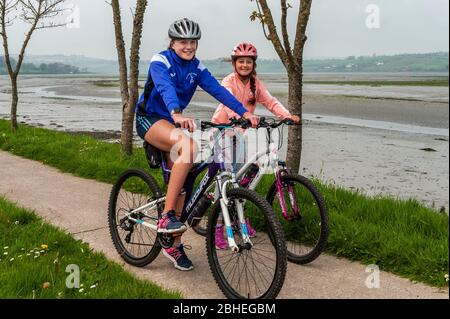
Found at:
(306, 224)
(252, 272)
(137, 244)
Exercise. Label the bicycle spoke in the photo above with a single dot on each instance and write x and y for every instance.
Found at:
(136, 242)
(252, 271)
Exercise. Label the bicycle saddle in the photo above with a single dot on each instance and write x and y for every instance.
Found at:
(153, 155)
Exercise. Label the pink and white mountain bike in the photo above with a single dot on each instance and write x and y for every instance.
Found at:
(297, 202)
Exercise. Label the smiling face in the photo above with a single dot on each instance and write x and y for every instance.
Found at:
(244, 66)
(185, 48)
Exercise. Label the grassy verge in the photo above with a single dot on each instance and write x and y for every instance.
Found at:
(34, 257)
(402, 237)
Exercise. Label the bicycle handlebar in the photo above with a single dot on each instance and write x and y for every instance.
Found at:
(243, 123)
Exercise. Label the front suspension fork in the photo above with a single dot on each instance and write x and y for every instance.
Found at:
(224, 202)
(279, 187)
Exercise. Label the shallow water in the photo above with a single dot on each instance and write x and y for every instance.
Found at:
(52, 92)
(376, 157)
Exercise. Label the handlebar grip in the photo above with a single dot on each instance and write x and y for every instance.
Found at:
(245, 124)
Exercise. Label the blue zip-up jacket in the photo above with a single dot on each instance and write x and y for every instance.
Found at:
(175, 81)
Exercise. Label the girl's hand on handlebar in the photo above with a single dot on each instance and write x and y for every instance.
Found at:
(295, 118)
(254, 120)
(184, 122)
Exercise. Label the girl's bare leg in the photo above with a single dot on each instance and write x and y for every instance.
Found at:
(183, 150)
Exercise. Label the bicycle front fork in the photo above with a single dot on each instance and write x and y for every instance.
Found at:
(239, 205)
(279, 186)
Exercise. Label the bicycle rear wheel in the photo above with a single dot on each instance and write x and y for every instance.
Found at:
(306, 231)
(136, 244)
(253, 272)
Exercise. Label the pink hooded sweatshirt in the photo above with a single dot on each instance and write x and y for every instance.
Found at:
(243, 93)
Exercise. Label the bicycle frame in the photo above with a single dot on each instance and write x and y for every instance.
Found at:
(273, 161)
(216, 172)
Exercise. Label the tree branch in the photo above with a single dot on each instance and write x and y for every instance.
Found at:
(268, 19)
(5, 8)
(302, 22)
(135, 47)
(120, 45)
(33, 12)
(260, 16)
(287, 44)
(50, 25)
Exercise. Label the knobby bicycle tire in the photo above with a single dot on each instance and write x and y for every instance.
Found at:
(319, 246)
(153, 191)
(275, 238)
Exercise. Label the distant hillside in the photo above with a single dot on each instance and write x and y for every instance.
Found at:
(431, 62)
(51, 67)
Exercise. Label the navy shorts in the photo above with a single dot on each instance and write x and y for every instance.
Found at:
(144, 122)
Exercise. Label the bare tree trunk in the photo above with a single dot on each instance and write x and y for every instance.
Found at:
(120, 45)
(14, 75)
(129, 92)
(14, 102)
(294, 151)
(129, 109)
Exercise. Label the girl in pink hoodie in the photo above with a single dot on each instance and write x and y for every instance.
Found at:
(249, 90)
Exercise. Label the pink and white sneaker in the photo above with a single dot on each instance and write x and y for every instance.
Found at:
(220, 241)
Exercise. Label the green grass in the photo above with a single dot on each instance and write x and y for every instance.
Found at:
(400, 236)
(403, 237)
(25, 265)
(80, 155)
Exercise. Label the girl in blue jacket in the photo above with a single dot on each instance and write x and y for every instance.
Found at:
(172, 79)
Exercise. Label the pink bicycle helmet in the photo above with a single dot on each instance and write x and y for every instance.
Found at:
(244, 50)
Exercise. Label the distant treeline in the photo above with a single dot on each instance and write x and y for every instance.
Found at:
(42, 68)
(428, 62)
(66, 64)
(432, 62)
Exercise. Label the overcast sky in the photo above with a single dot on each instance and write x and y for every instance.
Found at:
(337, 28)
